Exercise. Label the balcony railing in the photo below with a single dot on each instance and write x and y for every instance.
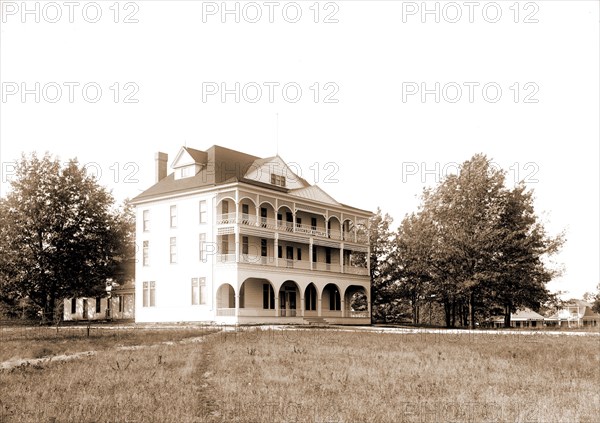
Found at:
(285, 226)
(289, 312)
(290, 264)
(226, 312)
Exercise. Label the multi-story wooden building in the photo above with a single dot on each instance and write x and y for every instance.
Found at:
(233, 238)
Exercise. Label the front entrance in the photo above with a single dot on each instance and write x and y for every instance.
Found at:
(287, 301)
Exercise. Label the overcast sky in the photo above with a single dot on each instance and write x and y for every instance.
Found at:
(376, 100)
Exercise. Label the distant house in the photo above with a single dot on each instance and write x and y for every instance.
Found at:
(523, 318)
(575, 313)
(119, 304)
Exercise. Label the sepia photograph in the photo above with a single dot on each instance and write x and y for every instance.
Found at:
(310, 211)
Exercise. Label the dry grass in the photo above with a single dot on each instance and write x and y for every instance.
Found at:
(318, 375)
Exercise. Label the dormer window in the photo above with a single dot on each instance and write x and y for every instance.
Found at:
(278, 180)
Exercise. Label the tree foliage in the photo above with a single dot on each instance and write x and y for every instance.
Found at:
(61, 235)
(474, 246)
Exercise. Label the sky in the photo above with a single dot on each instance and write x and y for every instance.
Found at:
(372, 101)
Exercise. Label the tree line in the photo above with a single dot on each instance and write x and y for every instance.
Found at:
(475, 248)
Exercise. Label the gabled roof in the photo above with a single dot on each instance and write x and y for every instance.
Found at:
(197, 155)
(521, 315)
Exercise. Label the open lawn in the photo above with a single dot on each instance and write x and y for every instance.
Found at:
(321, 375)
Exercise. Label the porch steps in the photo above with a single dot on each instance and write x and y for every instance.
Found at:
(316, 321)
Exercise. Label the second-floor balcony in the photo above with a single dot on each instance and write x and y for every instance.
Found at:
(289, 264)
(281, 225)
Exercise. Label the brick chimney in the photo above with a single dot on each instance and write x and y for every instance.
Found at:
(160, 160)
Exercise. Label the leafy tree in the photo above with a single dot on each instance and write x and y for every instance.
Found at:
(381, 261)
(61, 235)
(596, 301)
(475, 246)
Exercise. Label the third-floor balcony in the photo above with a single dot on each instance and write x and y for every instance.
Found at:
(281, 225)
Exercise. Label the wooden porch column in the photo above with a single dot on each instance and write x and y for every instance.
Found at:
(343, 305)
(237, 229)
(276, 249)
(342, 257)
(310, 253)
(257, 213)
(276, 302)
(237, 306)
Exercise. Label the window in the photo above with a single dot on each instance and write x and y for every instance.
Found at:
(198, 291)
(73, 305)
(146, 220)
(299, 253)
(173, 250)
(121, 303)
(327, 255)
(145, 253)
(314, 254)
(298, 222)
(98, 305)
(225, 207)
(334, 299)
(202, 211)
(173, 215)
(268, 297)
(278, 180)
(244, 245)
(313, 223)
(279, 251)
(149, 297)
(202, 247)
(263, 247)
(289, 252)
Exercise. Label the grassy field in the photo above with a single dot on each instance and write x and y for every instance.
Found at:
(318, 375)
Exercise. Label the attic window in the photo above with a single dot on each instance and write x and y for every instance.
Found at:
(278, 180)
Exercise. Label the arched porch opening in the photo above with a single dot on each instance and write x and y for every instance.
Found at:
(257, 298)
(310, 300)
(289, 299)
(334, 228)
(285, 219)
(331, 304)
(267, 215)
(356, 301)
(226, 211)
(225, 300)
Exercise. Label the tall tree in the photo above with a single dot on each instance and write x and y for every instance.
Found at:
(381, 261)
(475, 245)
(61, 236)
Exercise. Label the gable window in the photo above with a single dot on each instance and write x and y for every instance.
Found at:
(268, 297)
(202, 211)
(98, 305)
(173, 250)
(149, 294)
(146, 220)
(145, 253)
(198, 291)
(73, 305)
(202, 247)
(173, 216)
(278, 180)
